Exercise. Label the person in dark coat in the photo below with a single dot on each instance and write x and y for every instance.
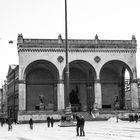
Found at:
(48, 121)
(78, 124)
(130, 118)
(2, 122)
(82, 124)
(136, 117)
(31, 123)
(90, 110)
(62, 118)
(10, 121)
(52, 121)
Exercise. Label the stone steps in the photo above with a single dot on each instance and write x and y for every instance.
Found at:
(86, 115)
(98, 115)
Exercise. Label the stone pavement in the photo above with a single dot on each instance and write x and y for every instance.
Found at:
(94, 130)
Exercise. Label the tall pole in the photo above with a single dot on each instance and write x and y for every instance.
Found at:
(14, 98)
(67, 49)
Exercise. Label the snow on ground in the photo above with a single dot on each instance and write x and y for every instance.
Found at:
(94, 130)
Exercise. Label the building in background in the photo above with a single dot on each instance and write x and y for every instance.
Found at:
(3, 101)
(12, 92)
(139, 89)
(128, 92)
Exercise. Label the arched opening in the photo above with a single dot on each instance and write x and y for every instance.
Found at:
(127, 90)
(81, 89)
(41, 86)
(112, 76)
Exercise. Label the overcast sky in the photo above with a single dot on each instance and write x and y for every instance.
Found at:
(110, 19)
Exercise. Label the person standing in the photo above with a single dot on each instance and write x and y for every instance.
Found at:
(52, 121)
(78, 124)
(90, 110)
(136, 117)
(82, 123)
(62, 119)
(31, 123)
(10, 121)
(48, 121)
(2, 122)
(117, 117)
(129, 117)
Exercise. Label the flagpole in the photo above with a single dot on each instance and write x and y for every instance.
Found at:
(67, 49)
(68, 112)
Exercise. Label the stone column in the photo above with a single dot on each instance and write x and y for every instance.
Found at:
(60, 95)
(134, 95)
(98, 94)
(55, 97)
(90, 96)
(134, 89)
(22, 95)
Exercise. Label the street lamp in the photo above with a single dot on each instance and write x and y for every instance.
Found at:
(68, 111)
(67, 49)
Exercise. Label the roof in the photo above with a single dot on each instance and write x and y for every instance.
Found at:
(11, 68)
(25, 44)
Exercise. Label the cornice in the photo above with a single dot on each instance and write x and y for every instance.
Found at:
(78, 41)
(55, 45)
(77, 50)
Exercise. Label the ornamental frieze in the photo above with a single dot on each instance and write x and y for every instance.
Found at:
(82, 50)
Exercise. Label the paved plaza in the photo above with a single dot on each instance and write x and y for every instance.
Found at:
(94, 130)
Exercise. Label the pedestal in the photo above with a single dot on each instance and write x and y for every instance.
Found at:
(68, 122)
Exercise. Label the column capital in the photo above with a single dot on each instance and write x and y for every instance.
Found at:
(21, 81)
(97, 81)
(60, 81)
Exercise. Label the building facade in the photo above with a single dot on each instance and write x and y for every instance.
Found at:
(128, 93)
(96, 74)
(12, 92)
(3, 100)
(139, 89)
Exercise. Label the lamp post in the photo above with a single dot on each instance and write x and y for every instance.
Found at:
(68, 111)
(67, 49)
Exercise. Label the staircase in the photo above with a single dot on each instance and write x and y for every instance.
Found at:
(99, 115)
(86, 115)
(95, 116)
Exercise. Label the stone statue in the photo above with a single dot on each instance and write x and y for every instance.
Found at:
(116, 102)
(41, 102)
(73, 96)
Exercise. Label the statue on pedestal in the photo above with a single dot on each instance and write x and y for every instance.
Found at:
(73, 96)
(116, 102)
(41, 102)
